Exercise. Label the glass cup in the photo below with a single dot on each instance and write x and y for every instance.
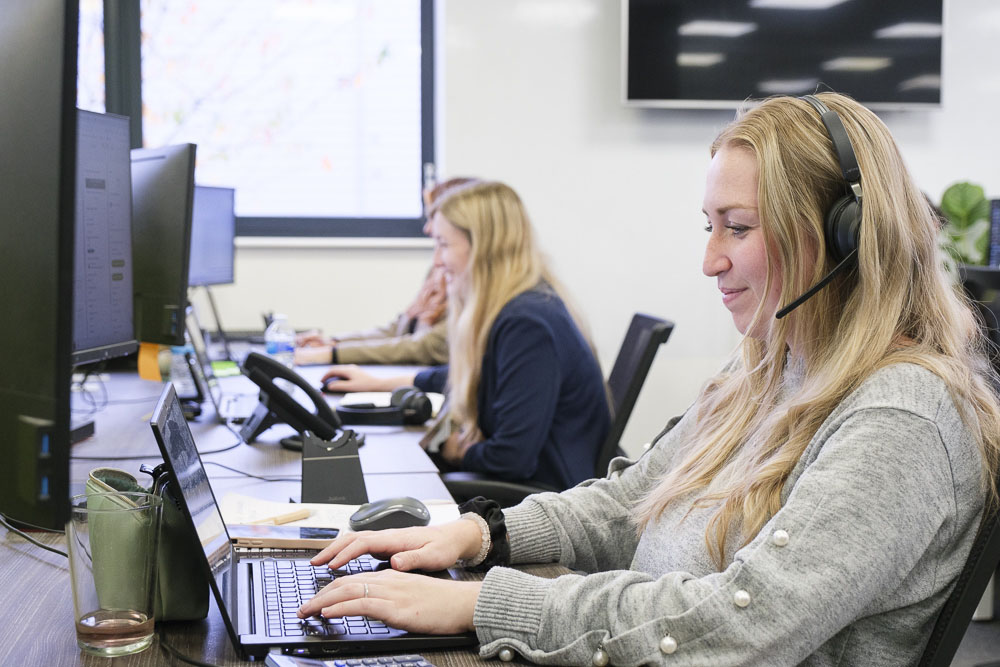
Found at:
(112, 540)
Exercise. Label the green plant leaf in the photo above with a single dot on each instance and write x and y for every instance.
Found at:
(969, 245)
(965, 203)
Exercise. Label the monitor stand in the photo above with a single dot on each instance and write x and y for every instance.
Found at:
(218, 324)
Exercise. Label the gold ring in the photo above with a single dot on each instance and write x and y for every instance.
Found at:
(366, 590)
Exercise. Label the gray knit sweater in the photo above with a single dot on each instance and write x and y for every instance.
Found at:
(877, 519)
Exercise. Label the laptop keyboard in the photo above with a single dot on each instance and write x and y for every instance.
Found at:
(289, 583)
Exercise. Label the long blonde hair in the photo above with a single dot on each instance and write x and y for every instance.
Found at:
(504, 261)
(898, 305)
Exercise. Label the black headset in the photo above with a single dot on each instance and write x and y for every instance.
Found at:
(407, 406)
(842, 224)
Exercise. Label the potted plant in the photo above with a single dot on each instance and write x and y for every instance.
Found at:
(966, 236)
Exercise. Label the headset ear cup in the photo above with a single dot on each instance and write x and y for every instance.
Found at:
(399, 395)
(413, 404)
(843, 226)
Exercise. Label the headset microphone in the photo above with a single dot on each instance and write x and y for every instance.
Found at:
(817, 287)
(842, 224)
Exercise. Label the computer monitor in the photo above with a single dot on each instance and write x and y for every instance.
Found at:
(162, 201)
(38, 42)
(213, 230)
(102, 286)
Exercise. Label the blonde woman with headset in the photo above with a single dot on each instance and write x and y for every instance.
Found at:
(524, 384)
(817, 501)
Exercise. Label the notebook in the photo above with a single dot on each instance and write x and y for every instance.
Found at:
(249, 591)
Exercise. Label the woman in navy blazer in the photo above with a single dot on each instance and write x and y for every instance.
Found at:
(525, 388)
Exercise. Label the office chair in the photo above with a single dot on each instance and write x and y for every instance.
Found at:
(644, 336)
(954, 618)
(981, 284)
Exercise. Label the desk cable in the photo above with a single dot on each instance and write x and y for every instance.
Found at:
(141, 457)
(5, 521)
(285, 478)
(171, 651)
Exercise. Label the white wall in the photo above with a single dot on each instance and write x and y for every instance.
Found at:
(532, 97)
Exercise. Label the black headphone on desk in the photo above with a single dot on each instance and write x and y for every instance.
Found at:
(407, 406)
(842, 224)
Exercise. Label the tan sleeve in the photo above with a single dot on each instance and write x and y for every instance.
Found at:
(396, 327)
(424, 348)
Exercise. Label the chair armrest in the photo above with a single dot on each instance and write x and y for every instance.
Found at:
(465, 485)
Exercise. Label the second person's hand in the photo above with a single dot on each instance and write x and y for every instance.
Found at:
(350, 377)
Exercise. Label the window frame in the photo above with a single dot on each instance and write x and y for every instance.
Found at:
(123, 95)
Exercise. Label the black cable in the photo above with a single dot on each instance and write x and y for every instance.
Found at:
(4, 521)
(239, 441)
(288, 478)
(86, 394)
(34, 527)
(173, 652)
(129, 401)
(138, 457)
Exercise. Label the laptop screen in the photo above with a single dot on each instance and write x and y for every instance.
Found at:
(173, 435)
(209, 381)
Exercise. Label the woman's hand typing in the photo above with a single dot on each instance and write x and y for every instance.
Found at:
(403, 600)
(413, 602)
(420, 548)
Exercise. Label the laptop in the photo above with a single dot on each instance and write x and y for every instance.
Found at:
(259, 596)
(228, 406)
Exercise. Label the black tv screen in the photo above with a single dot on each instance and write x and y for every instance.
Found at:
(717, 53)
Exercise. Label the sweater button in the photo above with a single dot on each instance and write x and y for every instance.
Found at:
(780, 538)
(600, 658)
(741, 598)
(506, 654)
(668, 645)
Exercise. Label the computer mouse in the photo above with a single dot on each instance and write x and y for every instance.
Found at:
(390, 513)
(325, 387)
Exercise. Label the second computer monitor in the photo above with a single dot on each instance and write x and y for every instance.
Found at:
(213, 228)
(102, 284)
(162, 201)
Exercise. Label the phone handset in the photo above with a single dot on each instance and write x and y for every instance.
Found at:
(276, 405)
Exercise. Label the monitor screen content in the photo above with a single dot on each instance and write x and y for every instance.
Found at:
(102, 282)
(162, 200)
(213, 229)
(38, 148)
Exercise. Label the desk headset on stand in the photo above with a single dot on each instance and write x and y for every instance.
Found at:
(843, 219)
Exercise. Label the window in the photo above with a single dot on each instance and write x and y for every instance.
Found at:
(90, 57)
(320, 114)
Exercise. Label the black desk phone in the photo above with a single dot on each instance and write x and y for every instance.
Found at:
(277, 406)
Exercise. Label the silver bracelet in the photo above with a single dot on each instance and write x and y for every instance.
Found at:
(484, 548)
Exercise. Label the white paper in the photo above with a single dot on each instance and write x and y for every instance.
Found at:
(237, 508)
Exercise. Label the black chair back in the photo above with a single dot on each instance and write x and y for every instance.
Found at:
(957, 612)
(635, 357)
(981, 283)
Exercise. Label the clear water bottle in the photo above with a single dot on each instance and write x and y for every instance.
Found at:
(279, 341)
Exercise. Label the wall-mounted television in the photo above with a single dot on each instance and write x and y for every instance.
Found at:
(717, 53)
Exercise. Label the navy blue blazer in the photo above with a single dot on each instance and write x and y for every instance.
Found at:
(543, 410)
